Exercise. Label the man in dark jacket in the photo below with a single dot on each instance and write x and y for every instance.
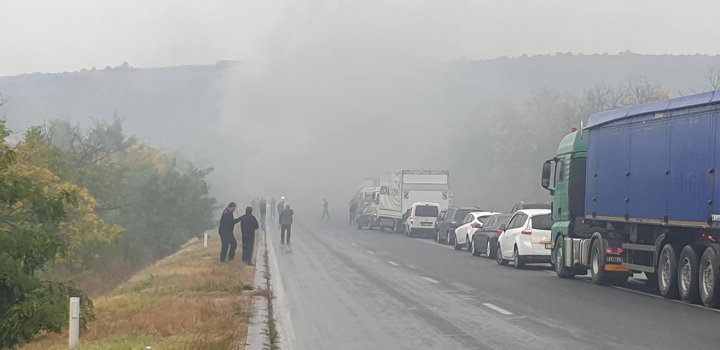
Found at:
(248, 225)
(286, 220)
(227, 239)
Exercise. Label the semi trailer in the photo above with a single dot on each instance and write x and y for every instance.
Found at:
(637, 190)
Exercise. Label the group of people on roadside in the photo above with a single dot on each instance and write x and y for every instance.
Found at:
(248, 225)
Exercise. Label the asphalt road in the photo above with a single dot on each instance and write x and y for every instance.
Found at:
(351, 289)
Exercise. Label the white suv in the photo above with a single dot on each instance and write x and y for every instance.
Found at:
(526, 238)
(422, 219)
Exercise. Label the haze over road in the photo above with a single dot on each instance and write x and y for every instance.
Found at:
(351, 289)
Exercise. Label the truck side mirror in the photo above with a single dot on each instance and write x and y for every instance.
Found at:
(547, 171)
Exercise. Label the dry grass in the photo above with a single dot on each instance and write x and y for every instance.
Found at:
(186, 301)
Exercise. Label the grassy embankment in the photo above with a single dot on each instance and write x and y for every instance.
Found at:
(185, 301)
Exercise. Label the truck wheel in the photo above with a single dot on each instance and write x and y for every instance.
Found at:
(597, 263)
(518, 260)
(709, 278)
(688, 275)
(498, 256)
(560, 269)
(667, 272)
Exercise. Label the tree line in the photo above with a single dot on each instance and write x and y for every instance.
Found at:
(80, 202)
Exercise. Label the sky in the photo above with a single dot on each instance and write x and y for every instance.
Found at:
(56, 36)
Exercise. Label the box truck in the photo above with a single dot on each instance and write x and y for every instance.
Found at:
(400, 189)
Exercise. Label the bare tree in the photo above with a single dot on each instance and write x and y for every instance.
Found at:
(712, 77)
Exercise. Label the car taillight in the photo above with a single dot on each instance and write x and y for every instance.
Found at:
(526, 232)
(475, 225)
(613, 251)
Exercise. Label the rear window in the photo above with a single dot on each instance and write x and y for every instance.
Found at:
(426, 211)
(461, 213)
(484, 219)
(542, 222)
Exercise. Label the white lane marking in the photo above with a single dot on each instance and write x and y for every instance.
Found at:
(411, 266)
(370, 252)
(429, 279)
(393, 263)
(497, 309)
(434, 243)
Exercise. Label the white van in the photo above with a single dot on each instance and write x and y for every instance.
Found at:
(421, 220)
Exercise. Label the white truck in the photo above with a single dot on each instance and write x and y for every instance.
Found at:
(400, 189)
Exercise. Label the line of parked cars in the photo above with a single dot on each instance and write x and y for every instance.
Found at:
(523, 236)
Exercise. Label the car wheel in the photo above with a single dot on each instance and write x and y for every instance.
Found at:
(473, 248)
(688, 275)
(488, 250)
(437, 236)
(517, 259)
(467, 243)
(455, 243)
(667, 272)
(560, 269)
(498, 256)
(709, 279)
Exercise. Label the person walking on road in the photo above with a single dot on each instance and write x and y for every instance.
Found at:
(228, 244)
(273, 208)
(263, 213)
(353, 210)
(325, 213)
(286, 220)
(248, 225)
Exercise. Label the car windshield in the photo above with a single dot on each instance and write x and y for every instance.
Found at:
(426, 211)
(542, 222)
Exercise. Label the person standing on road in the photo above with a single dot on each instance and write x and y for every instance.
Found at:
(228, 244)
(325, 213)
(353, 210)
(281, 206)
(273, 205)
(263, 213)
(286, 220)
(248, 225)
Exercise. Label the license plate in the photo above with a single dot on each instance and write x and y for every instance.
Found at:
(425, 223)
(613, 259)
(548, 245)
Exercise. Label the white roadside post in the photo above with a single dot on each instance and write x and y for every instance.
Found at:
(74, 329)
(205, 238)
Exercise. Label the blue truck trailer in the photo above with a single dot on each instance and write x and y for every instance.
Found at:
(636, 190)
